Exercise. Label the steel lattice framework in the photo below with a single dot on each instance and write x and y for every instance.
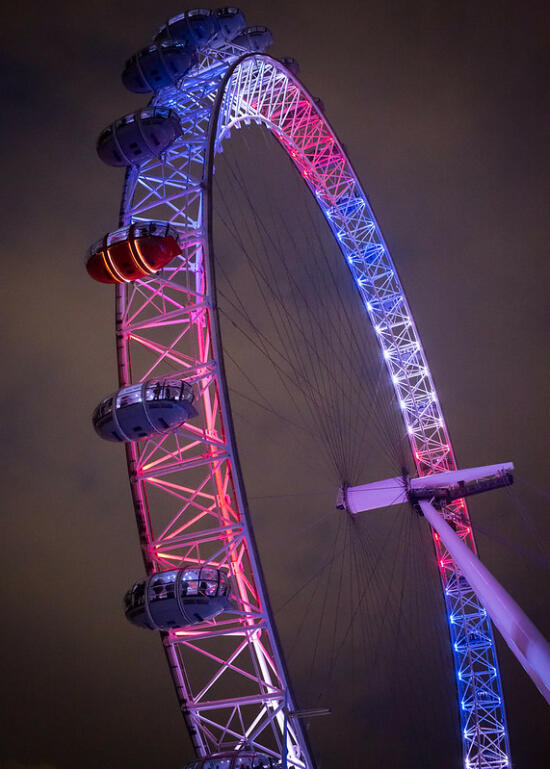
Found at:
(187, 489)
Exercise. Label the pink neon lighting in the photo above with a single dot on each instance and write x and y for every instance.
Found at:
(178, 302)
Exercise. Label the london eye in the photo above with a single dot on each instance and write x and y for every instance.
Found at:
(189, 338)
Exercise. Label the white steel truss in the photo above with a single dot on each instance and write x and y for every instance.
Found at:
(187, 490)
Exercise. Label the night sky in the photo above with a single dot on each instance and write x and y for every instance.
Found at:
(443, 110)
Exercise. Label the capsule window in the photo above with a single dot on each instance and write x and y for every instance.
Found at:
(179, 17)
(190, 588)
(157, 592)
(217, 763)
(224, 583)
(186, 392)
(160, 390)
(128, 396)
(104, 408)
(138, 595)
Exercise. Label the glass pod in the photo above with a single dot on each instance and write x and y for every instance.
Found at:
(178, 598)
(139, 136)
(132, 253)
(142, 410)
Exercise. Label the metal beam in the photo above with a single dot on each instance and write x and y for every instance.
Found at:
(524, 639)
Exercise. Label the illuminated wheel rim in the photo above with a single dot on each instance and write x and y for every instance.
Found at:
(187, 488)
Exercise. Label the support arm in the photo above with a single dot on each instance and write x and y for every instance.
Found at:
(524, 639)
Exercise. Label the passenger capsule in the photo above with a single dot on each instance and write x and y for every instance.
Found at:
(239, 759)
(158, 66)
(138, 137)
(291, 64)
(232, 22)
(146, 409)
(255, 39)
(198, 28)
(178, 598)
(132, 253)
(319, 103)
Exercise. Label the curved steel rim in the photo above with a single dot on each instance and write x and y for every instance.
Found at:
(471, 746)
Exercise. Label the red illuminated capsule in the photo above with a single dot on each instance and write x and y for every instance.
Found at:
(133, 253)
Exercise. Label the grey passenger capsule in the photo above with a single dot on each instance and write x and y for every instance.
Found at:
(142, 410)
(255, 39)
(138, 137)
(237, 759)
(157, 66)
(178, 598)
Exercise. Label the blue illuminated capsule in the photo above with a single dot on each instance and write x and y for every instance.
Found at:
(138, 137)
(241, 759)
(198, 28)
(255, 39)
(178, 598)
(158, 66)
(232, 22)
(142, 410)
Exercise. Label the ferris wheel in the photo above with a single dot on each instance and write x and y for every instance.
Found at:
(205, 591)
